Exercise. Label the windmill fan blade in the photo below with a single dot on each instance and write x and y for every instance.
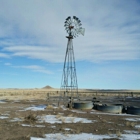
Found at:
(82, 31)
(75, 22)
(67, 24)
(79, 21)
(76, 25)
(67, 30)
(68, 21)
(68, 18)
(74, 17)
(80, 24)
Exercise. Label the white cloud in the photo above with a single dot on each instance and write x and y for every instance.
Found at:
(35, 68)
(7, 64)
(112, 29)
(4, 55)
(37, 52)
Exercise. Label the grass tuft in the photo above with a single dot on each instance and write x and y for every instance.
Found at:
(49, 107)
(130, 124)
(32, 118)
(70, 115)
(118, 133)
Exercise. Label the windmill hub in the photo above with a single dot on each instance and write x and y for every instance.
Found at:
(71, 27)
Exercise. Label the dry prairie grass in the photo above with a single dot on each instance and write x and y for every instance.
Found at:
(130, 124)
(127, 123)
(81, 121)
(133, 124)
(70, 115)
(72, 119)
(104, 121)
(118, 133)
(62, 119)
(50, 107)
(31, 118)
(109, 133)
(77, 131)
(58, 116)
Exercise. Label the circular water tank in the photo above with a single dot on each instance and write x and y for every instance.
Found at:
(83, 105)
(110, 108)
(133, 110)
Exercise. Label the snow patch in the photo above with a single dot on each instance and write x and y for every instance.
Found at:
(33, 125)
(2, 102)
(3, 117)
(15, 120)
(54, 119)
(137, 126)
(132, 119)
(6, 114)
(82, 136)
(131, 132)
(77, 111)
(36, 108)
(67, 129)
(86, 136)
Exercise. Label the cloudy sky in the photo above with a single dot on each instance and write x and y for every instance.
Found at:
(33, 43)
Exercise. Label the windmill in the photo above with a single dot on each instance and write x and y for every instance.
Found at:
(69, 79)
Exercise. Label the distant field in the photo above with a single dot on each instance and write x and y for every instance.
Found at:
(42, 93)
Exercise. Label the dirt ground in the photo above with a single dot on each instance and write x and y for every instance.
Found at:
(18, 123)
(13, 130)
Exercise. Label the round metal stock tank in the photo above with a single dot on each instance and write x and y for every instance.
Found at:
(82, 105)
(110, 108)
(133, 110)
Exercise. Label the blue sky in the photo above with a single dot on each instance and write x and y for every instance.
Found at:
(33, 43)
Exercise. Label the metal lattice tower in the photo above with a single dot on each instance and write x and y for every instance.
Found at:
(69, 78)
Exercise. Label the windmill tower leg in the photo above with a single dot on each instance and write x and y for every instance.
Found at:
(69, 84)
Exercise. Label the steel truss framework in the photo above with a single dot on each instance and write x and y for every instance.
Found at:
(69, 79)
